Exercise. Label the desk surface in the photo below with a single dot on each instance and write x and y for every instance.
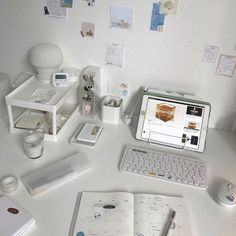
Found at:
(53, 209)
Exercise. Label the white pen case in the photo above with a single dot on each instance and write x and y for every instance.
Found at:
(56, 173)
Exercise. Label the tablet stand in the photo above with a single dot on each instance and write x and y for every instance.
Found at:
(186, 139)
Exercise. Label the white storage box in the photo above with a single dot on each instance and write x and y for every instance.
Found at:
(4, 90)
(54, 110)
(112, 109)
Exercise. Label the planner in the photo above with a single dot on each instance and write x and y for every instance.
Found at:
(14, 220)
(127, 214)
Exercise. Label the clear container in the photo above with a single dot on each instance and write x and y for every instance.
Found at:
(33, 144)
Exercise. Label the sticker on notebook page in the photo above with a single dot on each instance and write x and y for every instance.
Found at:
(13, 211)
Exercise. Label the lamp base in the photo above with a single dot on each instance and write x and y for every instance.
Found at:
(45, 74)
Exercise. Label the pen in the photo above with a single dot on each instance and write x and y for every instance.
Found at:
(169, 221)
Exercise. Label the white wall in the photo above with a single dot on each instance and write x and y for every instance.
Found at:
(169, 60)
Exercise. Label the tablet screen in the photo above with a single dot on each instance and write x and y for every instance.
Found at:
(173, 122)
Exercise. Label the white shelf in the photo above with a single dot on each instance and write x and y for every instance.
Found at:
(20, 101)
(21, 96)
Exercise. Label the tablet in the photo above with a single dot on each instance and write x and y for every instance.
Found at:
(173, 121)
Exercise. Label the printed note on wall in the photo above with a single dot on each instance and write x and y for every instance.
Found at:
(114, 54)
(53, 8)
(210, 53)
(226, 65)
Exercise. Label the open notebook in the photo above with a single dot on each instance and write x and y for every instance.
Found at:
(127, 214)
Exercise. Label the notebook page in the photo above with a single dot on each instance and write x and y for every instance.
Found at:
(105, 214)
(151, 213)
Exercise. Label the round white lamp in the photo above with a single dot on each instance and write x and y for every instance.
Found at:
(46, 59)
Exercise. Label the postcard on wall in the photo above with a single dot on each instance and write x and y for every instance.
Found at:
(67, 3)
(210, 53)
(118, 87)
(53, 8)
(226, 65)
(123, 89)
(168, 7)
(114, 54)
(87, 29)
(157, 19)
(91, 3)
(121, 17)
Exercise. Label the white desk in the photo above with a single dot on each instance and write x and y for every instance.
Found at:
(53, 209)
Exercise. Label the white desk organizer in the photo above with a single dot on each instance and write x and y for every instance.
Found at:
(112, 109)
(19, 103)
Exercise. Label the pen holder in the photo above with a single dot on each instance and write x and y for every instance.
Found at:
(112, 109)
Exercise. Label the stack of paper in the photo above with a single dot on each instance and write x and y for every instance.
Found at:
(14, 220)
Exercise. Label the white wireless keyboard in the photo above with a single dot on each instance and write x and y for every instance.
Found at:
(165, 166)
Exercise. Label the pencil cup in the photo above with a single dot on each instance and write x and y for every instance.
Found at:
(112, 109)
(33, 144)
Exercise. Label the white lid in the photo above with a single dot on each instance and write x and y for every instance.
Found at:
(4, 81)
(9, 184)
